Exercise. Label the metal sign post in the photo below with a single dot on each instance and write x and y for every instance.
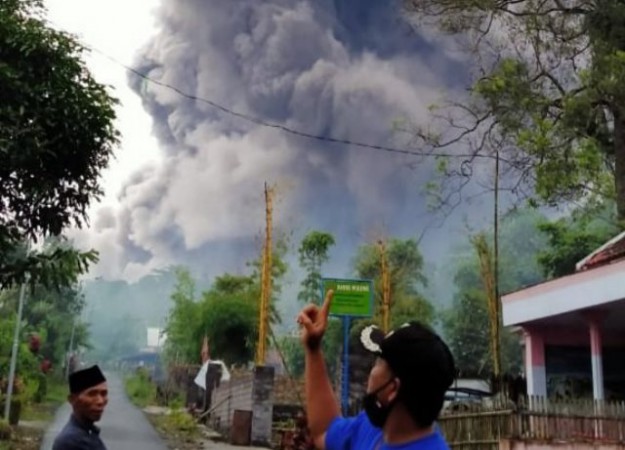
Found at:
(352, 298)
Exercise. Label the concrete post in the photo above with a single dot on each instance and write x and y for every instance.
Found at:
(262, 406)
(535, 364)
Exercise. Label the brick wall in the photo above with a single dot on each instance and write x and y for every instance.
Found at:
(229, 396)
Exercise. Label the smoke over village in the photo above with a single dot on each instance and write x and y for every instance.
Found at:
(238, 222)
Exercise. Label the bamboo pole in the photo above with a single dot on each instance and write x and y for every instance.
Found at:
(487, 273)
(386, 287)
(266, 275)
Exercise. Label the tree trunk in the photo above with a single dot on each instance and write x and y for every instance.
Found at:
(619, 162)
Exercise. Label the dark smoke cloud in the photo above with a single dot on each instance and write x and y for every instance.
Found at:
(346, 69)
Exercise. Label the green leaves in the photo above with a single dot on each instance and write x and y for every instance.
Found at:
(57, 265)
(406, 274)
(227, 314)
(466, 322)
(56, 135)
(313, 253)
(573, 238)
(548, 90)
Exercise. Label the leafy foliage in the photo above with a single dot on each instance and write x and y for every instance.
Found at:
(140, 389)
(227, 314)
(56, 135)
(50, 316)
(547, 96)
(466, 323)
(573, 238)
(406, 274)
(313, 253)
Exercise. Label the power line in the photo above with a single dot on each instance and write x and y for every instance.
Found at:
(281, 127)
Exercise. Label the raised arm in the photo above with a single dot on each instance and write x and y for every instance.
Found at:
(321, 404)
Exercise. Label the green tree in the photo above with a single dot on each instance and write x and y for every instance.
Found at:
(230, 319)
(548, 96)
(406, 274)
(184, 321)
(53, 313)
(56, 136)
(27, 367)
(313, 253)
(227, 313)
(466, 327)
(466, 323)
(572, 238)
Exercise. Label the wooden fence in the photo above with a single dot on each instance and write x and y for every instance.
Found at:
(482, 425)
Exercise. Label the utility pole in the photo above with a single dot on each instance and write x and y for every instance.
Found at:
(489, 268)
(386, 287)
(497, 305)
(14, 352)
(266, 276)
(70, 349)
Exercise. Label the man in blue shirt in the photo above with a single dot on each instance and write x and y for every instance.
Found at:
(88, 397)
(405, 391)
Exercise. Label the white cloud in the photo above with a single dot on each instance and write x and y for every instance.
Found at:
(117, 28)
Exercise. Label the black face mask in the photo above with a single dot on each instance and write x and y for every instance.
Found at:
(376, 412)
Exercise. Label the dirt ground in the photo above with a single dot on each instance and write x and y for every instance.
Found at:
(24, 438)
(203, 439)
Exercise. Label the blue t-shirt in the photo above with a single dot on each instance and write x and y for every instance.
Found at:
(357, 433)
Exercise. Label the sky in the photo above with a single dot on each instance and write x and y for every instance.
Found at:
(187, 183)
(133, 23)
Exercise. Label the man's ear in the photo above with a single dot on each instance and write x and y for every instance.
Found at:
(395, 392)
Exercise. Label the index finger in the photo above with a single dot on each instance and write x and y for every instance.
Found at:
(325, 309)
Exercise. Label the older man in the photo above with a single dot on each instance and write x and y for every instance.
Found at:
(88, 397)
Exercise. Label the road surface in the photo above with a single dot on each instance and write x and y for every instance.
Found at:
(123, 425)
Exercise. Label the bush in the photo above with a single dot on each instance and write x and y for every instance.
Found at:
(42, 389)
(16, 410)
(181, 421)
(140, 388)
(5, 431)
(178, 423)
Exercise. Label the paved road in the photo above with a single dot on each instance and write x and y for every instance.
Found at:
(124, 427)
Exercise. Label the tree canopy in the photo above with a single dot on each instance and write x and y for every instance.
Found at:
(406, 276)
(56, 136)
(313, 253)
(547, 95)
(227, 313)
(466, 322)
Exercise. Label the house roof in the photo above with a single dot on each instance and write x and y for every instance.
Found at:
(585, 289)
(612, 250)
(598, 281)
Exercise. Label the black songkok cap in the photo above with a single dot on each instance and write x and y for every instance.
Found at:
(82, 380)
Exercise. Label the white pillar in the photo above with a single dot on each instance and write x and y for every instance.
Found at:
(535, 371)
(596, 355)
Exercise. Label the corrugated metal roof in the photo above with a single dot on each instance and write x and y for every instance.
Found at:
(612, 250)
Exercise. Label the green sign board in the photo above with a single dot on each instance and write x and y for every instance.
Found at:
(352, 298)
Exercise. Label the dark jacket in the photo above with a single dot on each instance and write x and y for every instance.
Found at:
(78, 436)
